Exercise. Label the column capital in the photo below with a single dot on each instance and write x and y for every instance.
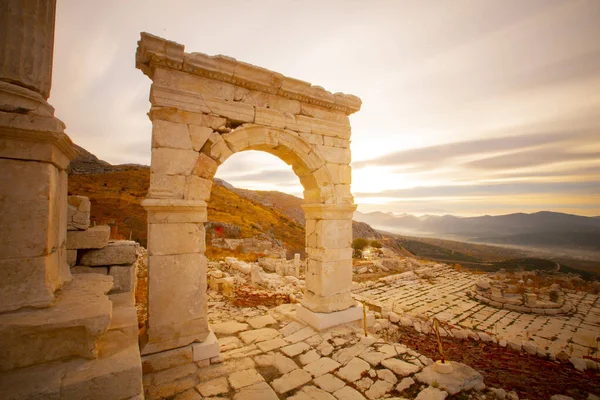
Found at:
(164, 211)
(329, 211)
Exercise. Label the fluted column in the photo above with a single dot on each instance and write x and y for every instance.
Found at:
(34, 155)
(27, 29)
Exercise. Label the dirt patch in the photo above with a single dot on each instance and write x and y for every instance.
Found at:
(530, 376)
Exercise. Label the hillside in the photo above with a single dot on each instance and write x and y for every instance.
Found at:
(116, 196)
(555, 232)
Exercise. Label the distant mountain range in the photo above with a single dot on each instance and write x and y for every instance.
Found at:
(541, 230)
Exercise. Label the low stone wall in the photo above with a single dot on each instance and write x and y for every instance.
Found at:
(89, 249)
(527, 303)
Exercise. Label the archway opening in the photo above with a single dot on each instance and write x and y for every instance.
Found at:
(254, 209)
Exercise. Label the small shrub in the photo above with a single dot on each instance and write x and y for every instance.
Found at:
(376, 244)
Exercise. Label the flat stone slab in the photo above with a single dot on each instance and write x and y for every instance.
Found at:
(291, 380)
(244, 378)
(93, 238)
(70, 328)
(228, 328)
(295, 349)
(400, 367)
(329, 383)
(272, 344)
(431, 393)
(213, 387)
(301, 335)
(261, 321)
(322, 321)
(115, 253)
(379, 389)
(310, 392)
(258, 391)
(347, 393)
(461, 378)
(321, 366)
(259, 335)
(353, 370)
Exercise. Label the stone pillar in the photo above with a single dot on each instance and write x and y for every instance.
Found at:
(329, 257)
(26, 50)
(177, 303)
(34, 154)
(296, 265)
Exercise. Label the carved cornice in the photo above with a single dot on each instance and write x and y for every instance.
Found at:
(60, 140)
(154, 51)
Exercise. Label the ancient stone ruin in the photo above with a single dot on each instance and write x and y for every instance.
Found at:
(68, 322)
(204, 109)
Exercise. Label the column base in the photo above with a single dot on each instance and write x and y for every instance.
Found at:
(207, 349)
(322, 321)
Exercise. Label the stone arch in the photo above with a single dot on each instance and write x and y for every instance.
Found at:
(204, 109)
(307, 163)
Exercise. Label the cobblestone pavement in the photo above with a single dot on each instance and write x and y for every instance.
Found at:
(267, 354)
(443, 295)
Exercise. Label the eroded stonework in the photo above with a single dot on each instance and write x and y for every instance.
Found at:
(204, 109)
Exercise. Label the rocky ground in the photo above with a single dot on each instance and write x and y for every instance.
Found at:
(267, 354)
(440, 291)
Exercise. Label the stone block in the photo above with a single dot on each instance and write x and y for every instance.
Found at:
(118, 252)
(185, 117)
(327, 255)
(321, 304)
(216, 148)
(197, 188)
(124, 278)
(167, 359)
(177, 301)
(93, 238)
(71, 328)
(166, 211)
(335, 155)
(206, 167)
(176, 238)
(208, 349)
(123, 329)
(78, 213)
(237, 140)
(324, 127)
(82, 269)
(29, 282)
(193, 83)
(322, 321)
(269, 117)
(311, 110)
(118, 376)
(329, 234)
(166, 186)
(328, 278)
(199, 135)
(71, 257)
(173, 161)
(170, 135)
(30, 212)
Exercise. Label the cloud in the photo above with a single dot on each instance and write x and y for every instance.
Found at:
(531, 158)
(491, 189)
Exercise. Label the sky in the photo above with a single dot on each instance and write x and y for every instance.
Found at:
(470, 107)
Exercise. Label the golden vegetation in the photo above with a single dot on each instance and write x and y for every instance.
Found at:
(116, 197)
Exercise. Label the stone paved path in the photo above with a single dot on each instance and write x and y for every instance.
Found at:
(443, 295)
(266, 354)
